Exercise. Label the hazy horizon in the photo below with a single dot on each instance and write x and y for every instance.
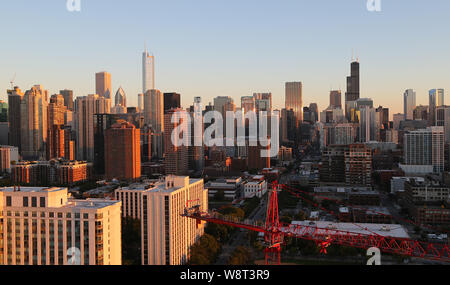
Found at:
(229, 48)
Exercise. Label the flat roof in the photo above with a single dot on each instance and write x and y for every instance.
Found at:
(90, 204)
(32, 189)
(391, 230)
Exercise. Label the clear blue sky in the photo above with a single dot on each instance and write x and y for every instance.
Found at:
(213, 48)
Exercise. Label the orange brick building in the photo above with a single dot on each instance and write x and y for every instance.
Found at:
(122, 152)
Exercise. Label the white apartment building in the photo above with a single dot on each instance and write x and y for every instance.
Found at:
(167, 236)
(131, 198)
(425, 147)
(43, 226)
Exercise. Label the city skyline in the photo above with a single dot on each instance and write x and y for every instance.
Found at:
(192, 67)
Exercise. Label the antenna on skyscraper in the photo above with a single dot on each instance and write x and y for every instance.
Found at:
(353, 51)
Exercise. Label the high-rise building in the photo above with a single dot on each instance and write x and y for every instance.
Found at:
(68, 98)
(314, 112)
(421, 113)
(8, 154)
(103, 84)
(288, 126)
(294, 100)
(196, 149)
(335, 99)
(443, 119)
(353, 87)
(367, 125)
(436, 97)
(121, 98)
(171, 101)
(333, 163)
(248, 103)
(49, 228)
(221, 103)
(3, 111)
(85, 109)
(154, 118)
(263, 101)
(409, 104)
(140, 102)
(148, 72)
(358, 165)
(340, 134)
(397, 119)
(167, 237)
(425, 147)
(14, 101)
(123, 143)
(33, 113)
(55, 129)
(175, 152)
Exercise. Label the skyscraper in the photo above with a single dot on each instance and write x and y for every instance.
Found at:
(103, 84)
(140, 102)
(409, 104)
(294, 100)
(3, 111)
(176, 157)
(85, 109)
(171, 101)
(14, 100)
(367, 124)
(335, 99)
(425, 147)
(436, 97)
(195, 151)
(121, 98)
(166, 236)
(263, 101)
(154, 118)
(148, 72)
(248, 103)
(33, 112)
(68, 98)
(123, 143)
(56, 121)
(443, 119)
(353, 87)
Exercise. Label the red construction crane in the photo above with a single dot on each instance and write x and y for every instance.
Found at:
(324, 237)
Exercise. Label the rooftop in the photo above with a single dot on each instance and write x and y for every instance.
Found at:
(392, 230)
(32, 189)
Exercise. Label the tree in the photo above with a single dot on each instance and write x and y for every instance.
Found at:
(131, 241)
(205, 251)
(240, 256)
(220, 232)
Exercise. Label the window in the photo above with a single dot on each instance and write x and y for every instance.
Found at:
(42, 202)
(33, 202)
(8, 201)
(25, 201)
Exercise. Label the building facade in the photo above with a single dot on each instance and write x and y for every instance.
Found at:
(42, 226)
